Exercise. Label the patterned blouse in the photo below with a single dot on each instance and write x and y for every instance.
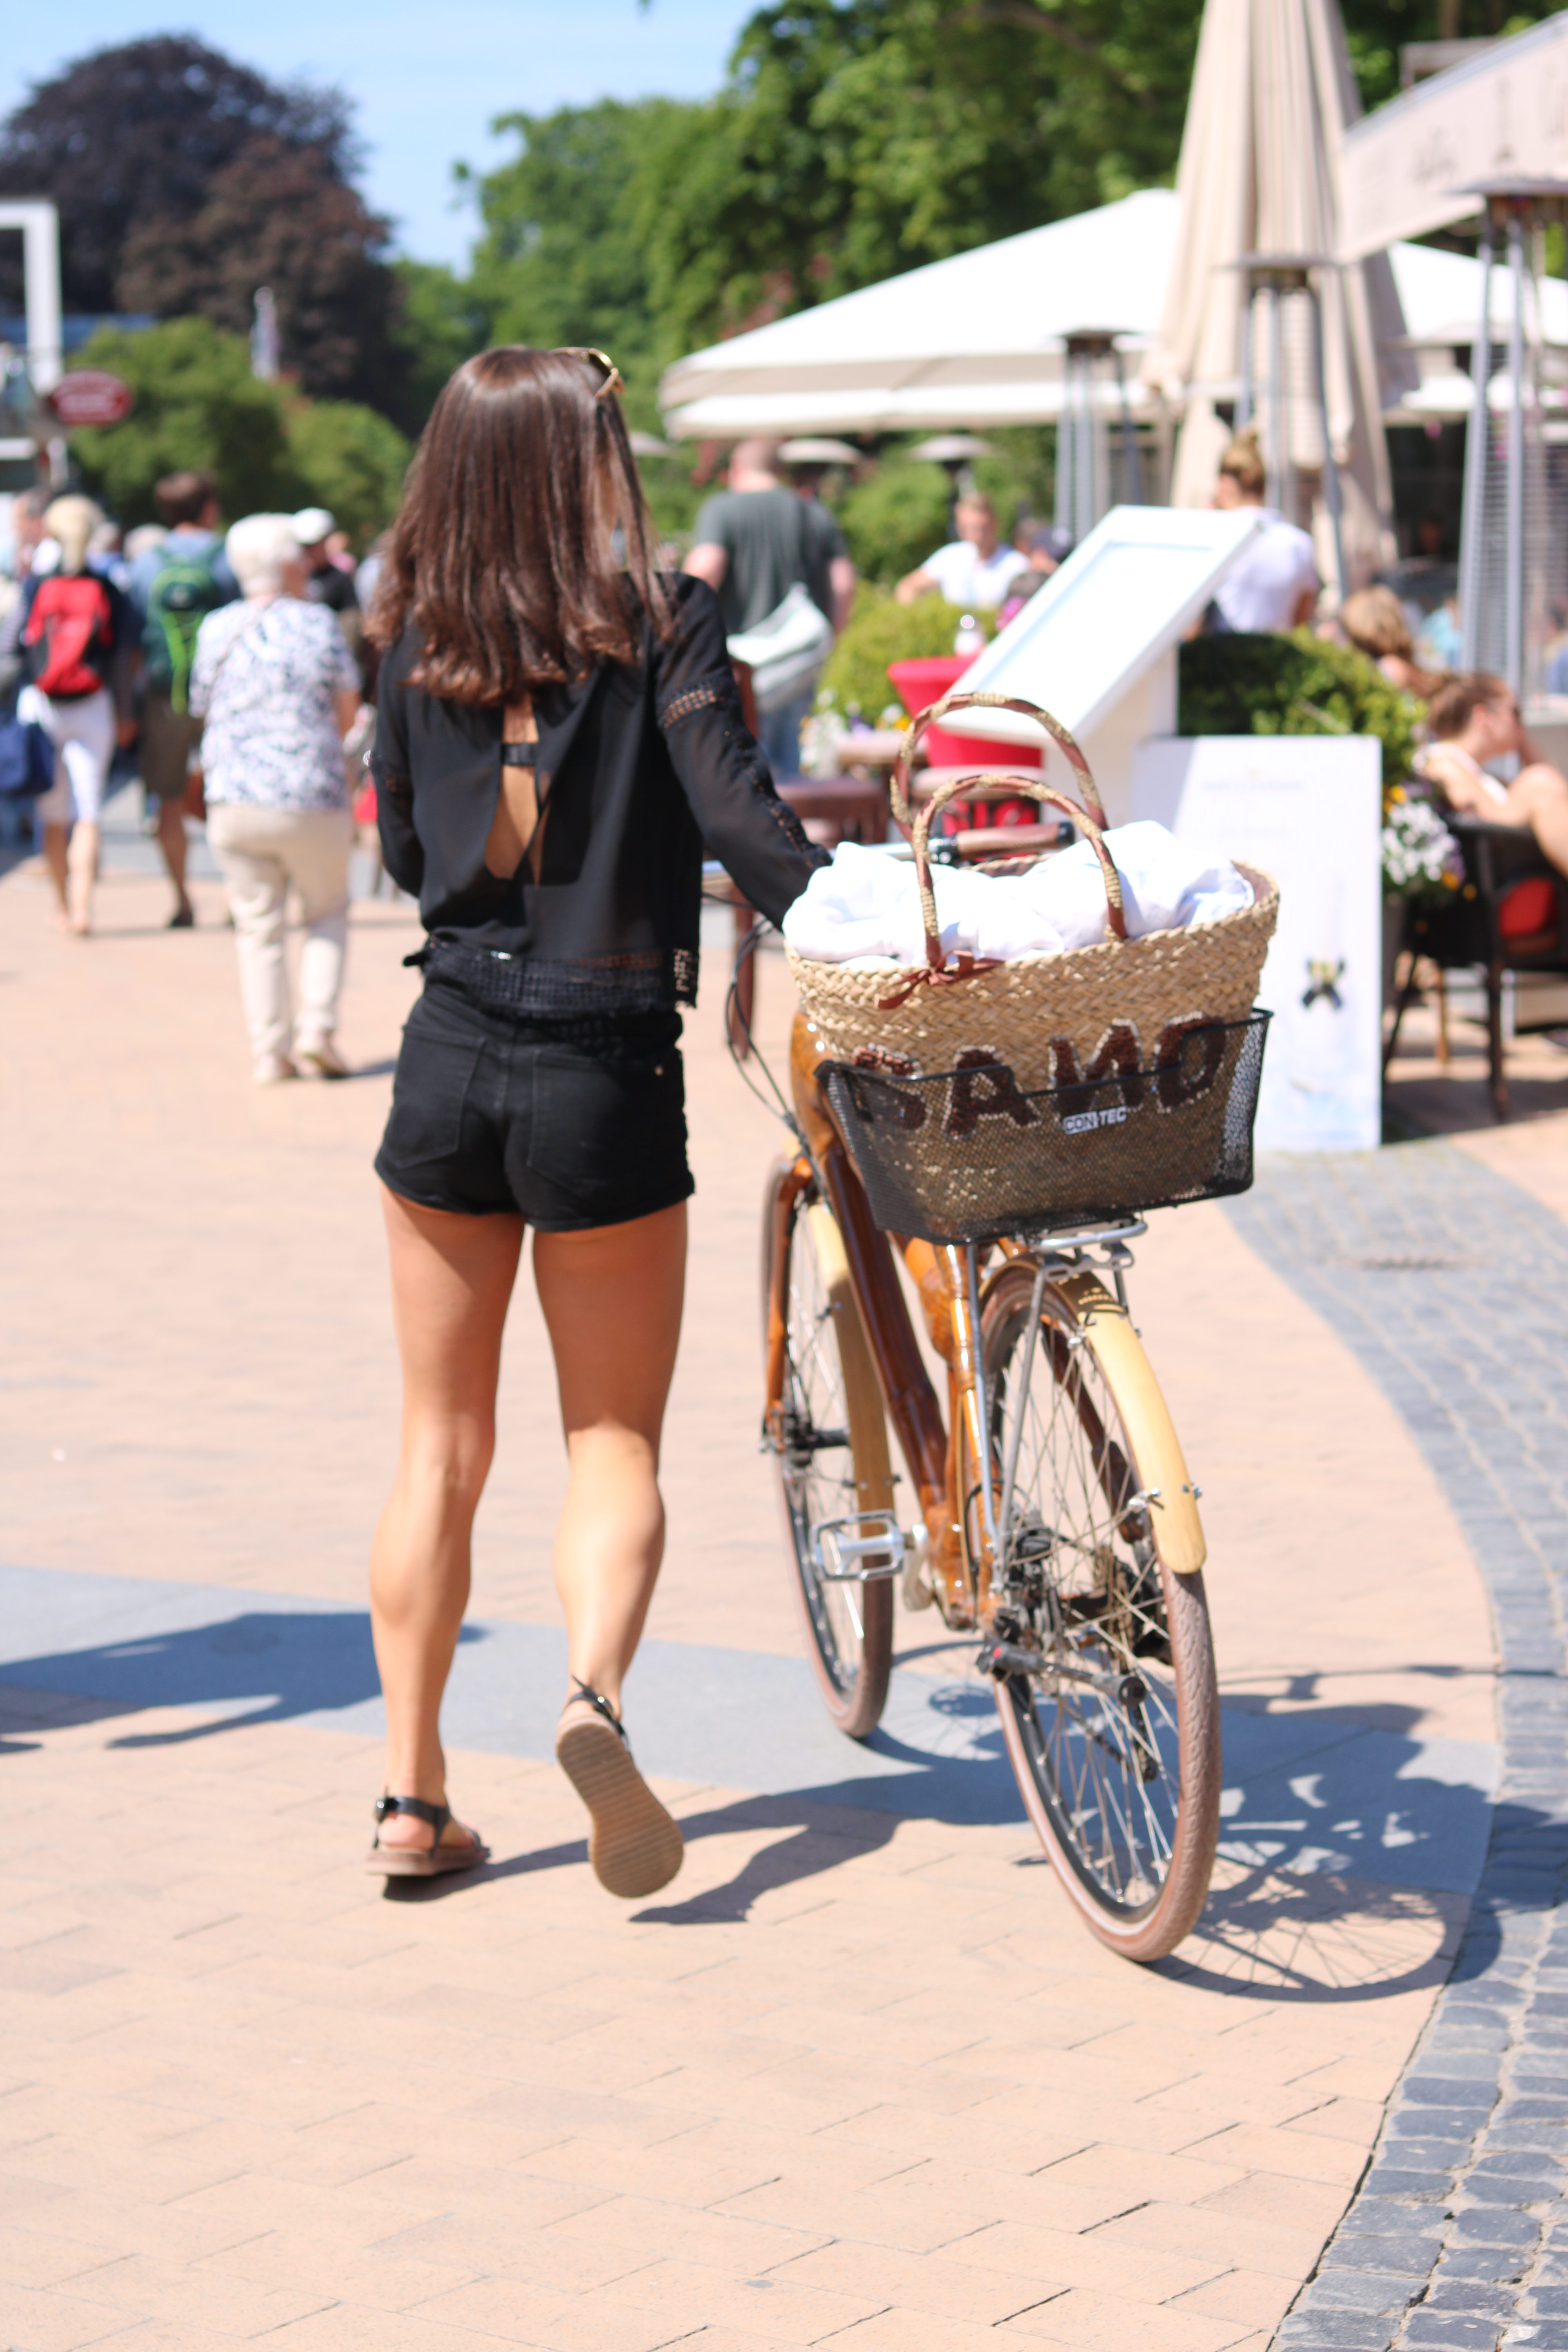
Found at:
(264, 680)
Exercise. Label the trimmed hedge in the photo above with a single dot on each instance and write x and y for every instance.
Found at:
(1294, 684)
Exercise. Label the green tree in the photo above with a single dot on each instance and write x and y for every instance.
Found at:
(352, 461)
(268, 449)
(440, 321)
(563, 257)
(859, 138)
(893, 520)
(198, 405)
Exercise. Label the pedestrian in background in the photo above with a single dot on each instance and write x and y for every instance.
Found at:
(753, 542)
(77, 643)
(174, 585)
(276, 690)
(1274, 586)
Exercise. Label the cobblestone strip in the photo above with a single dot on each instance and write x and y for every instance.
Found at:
(1451, 1286)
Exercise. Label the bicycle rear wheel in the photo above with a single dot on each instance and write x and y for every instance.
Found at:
(1114, 1735)
(824, 1421)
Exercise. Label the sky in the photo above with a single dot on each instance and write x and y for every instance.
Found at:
(426, 80)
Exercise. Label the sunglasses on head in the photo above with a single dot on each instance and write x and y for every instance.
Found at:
(601, 360)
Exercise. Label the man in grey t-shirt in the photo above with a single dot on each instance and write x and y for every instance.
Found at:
(753, 541)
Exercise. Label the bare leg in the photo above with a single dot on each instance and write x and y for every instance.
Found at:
(451, 1283)
(176, 848)
(612, 1298)
(82, 862)
(55, 837)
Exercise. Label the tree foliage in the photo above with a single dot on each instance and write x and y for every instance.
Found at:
(270, 450)
(563, 257)
(276, 216)
(138, 132)
(859, 138)
(184, 181)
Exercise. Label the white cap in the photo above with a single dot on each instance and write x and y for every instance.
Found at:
(312, 525)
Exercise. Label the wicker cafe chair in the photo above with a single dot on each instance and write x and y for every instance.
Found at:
(1511, 915)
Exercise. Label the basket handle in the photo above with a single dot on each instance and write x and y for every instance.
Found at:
(1063, 737)
(1048, 797)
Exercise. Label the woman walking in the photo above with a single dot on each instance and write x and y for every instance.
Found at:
(557, 737)
(77, 638)
(276, 687)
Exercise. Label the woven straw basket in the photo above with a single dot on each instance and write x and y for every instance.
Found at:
(1055, 1020)
(1019, 1010)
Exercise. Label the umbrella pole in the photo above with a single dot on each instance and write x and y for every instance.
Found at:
(1276, 403)
(1330, 472)
(1477, 437)
(1515, 581)
(1245, 406)
(1132, 465)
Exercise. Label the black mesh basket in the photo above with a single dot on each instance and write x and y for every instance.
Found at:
(966, 1156)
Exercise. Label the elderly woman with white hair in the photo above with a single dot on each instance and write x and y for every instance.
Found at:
(276, 687)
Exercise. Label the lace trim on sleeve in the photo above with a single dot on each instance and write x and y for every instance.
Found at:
(716, 691)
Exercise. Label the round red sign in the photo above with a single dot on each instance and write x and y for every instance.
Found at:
(86, 396)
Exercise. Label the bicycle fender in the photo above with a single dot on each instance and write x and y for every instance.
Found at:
(1162, 1466)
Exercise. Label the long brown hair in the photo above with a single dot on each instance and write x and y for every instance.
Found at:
(501, 552)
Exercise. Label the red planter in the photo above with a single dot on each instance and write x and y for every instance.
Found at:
(922, 683)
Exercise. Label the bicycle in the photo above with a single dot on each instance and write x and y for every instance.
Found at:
(1057, 1520)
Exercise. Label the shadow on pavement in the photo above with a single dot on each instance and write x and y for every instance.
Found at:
(267, 1666)
(1347, 1846)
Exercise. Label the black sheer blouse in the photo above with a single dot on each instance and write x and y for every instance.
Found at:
(637, 769)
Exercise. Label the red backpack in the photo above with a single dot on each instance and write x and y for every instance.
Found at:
(69, 635)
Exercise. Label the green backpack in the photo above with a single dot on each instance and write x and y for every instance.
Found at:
(179, 600)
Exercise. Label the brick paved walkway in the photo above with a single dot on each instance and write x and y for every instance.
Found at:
(1452, 1287)
(860, 2078)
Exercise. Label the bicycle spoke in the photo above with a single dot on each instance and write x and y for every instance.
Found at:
(1086, 1595)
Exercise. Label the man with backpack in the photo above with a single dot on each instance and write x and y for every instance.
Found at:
(174, 587)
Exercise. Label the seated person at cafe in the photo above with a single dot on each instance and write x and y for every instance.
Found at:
(1373, 620)
(973, 569)
(1274, 584)
(1473, 720)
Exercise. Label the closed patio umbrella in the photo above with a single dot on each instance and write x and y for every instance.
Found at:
(1272, 92)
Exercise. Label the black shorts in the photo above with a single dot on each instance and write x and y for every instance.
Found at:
(571, 1124)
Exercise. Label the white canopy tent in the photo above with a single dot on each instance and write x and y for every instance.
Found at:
(979, 339)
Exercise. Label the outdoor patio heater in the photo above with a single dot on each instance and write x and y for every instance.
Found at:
(1513, 563)
(1272, 395)
(1096, 468)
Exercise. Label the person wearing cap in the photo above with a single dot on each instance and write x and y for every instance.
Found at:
(326, 583)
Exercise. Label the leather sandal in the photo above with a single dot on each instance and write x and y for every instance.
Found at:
(422, 1862)
(635, 1846)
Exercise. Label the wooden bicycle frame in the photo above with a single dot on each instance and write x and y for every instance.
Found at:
(933, 1445)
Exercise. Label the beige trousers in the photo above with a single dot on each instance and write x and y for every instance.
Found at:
(262, 852)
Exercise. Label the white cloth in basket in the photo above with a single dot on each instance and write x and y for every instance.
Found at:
(865, 909)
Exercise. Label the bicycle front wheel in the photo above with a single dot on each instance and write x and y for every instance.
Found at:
(825, 1425)
(1115, 1734)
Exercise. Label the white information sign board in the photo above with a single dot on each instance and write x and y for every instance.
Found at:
(1503, 115)
(1308, 810)
(1129, 592)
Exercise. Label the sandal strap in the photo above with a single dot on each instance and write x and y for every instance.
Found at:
(417, 1809)
(601, 1706)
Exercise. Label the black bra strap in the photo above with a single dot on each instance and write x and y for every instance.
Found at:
(520, 755)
